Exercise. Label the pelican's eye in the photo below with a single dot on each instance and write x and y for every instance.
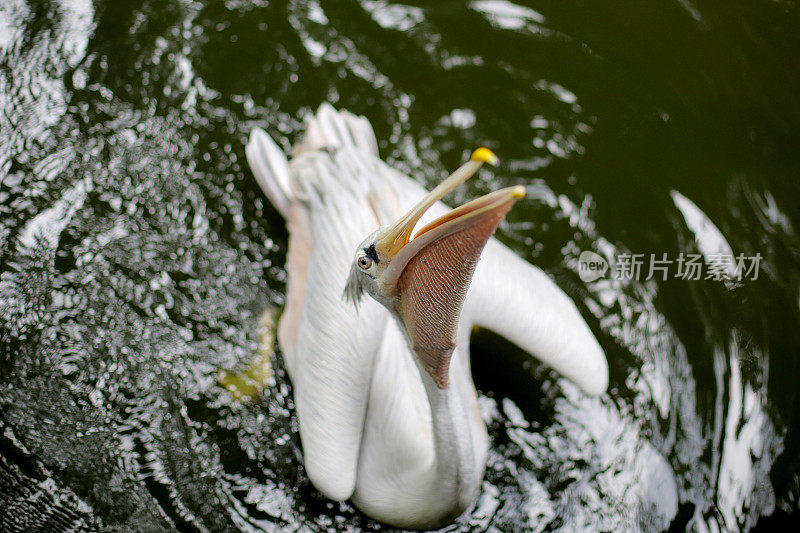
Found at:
(365, 262)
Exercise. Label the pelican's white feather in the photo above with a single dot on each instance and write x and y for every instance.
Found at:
(271, 169)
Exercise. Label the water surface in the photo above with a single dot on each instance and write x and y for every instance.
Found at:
(137, 254)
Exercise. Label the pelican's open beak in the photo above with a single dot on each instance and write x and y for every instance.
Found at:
(428, 276)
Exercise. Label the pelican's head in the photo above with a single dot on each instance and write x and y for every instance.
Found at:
(423, 281)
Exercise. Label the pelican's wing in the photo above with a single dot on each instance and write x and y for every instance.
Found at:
(327, 346)
(336, 180)
(518, 301)
(271, 169)
(331, 360)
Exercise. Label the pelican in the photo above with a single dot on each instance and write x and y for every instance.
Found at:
(387, 410)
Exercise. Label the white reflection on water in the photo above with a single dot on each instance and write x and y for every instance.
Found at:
(394, 16)
(746, 426)
(507, 15)
(740, 426)
(709, 238)
(32, 91)
(742, 438)
(49, 223)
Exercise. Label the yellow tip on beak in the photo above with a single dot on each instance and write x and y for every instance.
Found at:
(518, 191)
(485, 155)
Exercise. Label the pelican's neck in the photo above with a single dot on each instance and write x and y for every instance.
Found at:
(424, 448)
(455, 462)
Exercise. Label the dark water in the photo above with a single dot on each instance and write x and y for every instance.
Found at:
(137, 254)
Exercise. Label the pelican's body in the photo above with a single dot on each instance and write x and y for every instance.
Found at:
(407, 447)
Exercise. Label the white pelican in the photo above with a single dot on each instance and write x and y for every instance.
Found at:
(387, 409)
